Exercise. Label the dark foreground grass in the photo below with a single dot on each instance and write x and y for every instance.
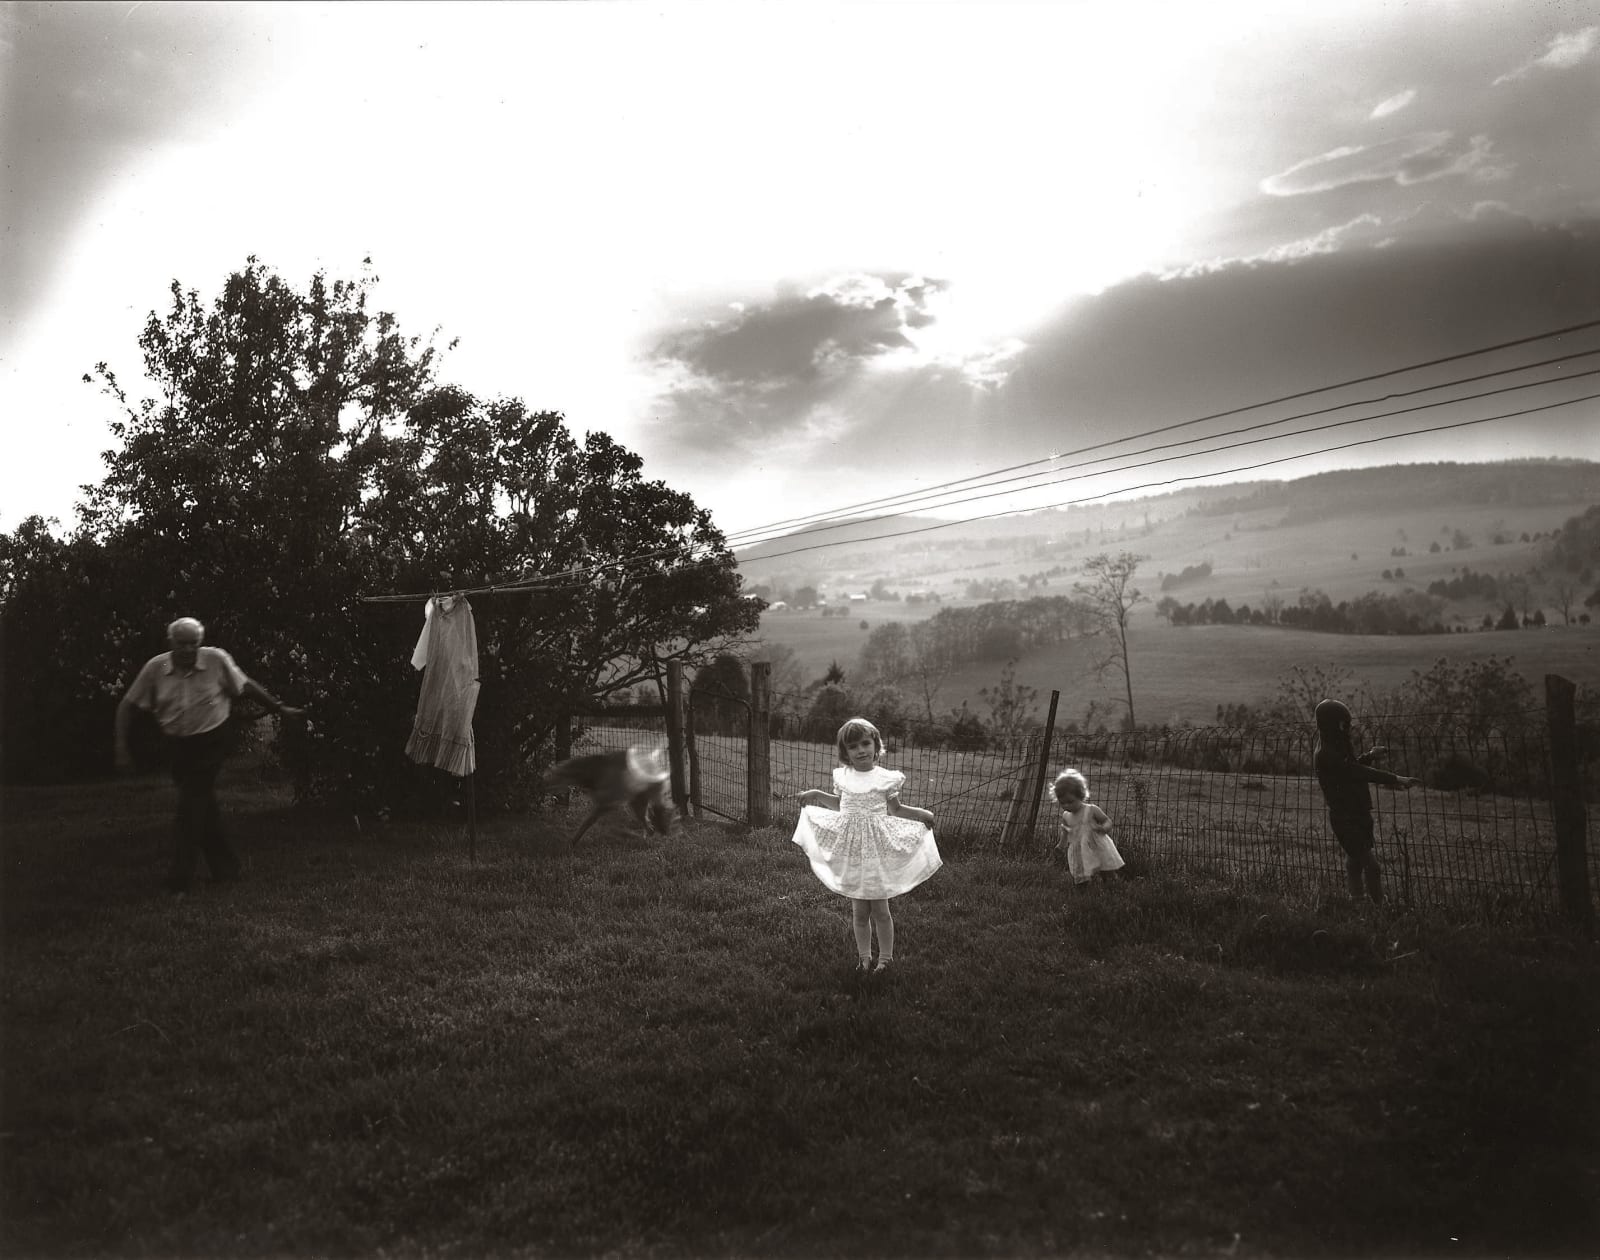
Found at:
(373, 1046)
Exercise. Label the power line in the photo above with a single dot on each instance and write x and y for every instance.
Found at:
(1082, 476)
(1218, 415)
(1156, 485)
(1266, 424)
(568, 579)
(580, 576)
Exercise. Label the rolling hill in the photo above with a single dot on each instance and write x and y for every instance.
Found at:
(1389, 529)
(1337, 531)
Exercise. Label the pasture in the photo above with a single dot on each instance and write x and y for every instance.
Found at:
(1182, 673)
(374, 1045)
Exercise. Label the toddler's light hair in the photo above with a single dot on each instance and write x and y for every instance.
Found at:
(1069, 776)
(855, 728)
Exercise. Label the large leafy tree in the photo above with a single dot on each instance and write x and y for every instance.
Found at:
(602, 576)
(237, 484)
(295, 454)
(65, 637)
(238, 488)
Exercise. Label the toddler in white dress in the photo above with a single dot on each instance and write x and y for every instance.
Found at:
(1085, 829)
(863, 843)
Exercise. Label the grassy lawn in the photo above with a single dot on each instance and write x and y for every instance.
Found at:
(373, 1045)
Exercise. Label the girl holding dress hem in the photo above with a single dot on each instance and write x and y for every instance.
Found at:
(863, 843)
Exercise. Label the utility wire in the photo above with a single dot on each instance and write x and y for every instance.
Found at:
(1080, 476)
(1155, 485)
(822, 527)
(571, 578)
(1219, 415)
(1441, 428)
(577, 576)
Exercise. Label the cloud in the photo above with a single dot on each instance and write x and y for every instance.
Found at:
(1406, 160)
(767, 370)
(1564, 52)
(1155, 351)
(1394, 104)
(1364, 228)
(1158, 350)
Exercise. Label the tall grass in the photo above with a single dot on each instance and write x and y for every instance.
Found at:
(374, 1045)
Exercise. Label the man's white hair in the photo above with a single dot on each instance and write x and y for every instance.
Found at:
(188, 624)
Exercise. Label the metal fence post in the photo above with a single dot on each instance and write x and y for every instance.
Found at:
(758, 747)
(1566, 803)
(692, 751)
(675, 748)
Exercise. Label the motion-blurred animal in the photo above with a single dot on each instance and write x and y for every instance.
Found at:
(635, 780)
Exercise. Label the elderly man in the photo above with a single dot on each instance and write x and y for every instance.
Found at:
(191, 690)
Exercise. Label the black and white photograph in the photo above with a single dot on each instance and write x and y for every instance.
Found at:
(799, 628)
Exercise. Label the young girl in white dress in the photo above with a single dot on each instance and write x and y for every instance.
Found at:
(863, 843)
(1085, 829)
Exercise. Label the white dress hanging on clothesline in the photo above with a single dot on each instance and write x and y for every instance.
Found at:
(447, 653)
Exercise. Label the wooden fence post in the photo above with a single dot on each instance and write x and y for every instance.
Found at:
(1566, 803)
(1044, 763)
(675, 751)
(1018, 806)
(758, 747)
(563, 749)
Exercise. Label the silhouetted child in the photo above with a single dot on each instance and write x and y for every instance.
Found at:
(1344, 777)
(1085, 829)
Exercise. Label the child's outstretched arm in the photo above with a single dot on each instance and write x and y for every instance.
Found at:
(897, 810)
(816, 796)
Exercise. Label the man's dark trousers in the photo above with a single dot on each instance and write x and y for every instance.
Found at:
(196, 760)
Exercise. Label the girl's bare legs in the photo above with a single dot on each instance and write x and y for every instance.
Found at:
(882, 923)
(861, 925)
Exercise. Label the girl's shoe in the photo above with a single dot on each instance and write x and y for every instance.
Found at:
(882, 966)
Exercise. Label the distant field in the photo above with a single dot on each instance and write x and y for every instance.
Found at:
(1250, 552)
(818, 640)
(1183, 673)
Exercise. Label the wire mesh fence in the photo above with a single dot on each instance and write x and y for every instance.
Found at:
(1476, 839)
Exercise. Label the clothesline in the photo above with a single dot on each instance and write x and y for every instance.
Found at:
(544, 581)
(539, 581)
(497, 588)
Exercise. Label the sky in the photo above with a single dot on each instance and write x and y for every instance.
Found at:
(805, 255)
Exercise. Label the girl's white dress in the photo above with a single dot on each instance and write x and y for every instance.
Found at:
(859, 850)
(1088, 851)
